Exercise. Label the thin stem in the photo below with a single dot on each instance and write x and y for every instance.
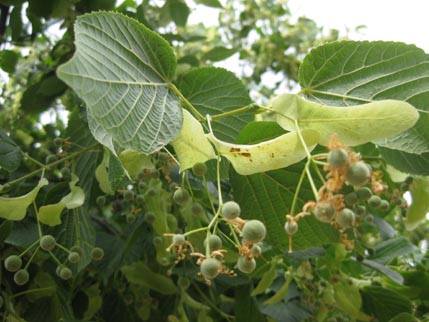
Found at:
(39, 228)
(40, 164)
(187, 103)
(248, 108)
(63, 248)
(359, 99)
(34, 290)
(48, 166)
(298, 189)
(29, 248)
(310, 179)
(31, 258)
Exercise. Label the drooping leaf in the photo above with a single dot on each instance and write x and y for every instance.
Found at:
(352, 72)
(219, 53)
(15, 208)
(214, 91)
(191, 145)
(123, 71)
(8, 60)
(393, 275)
(101, 173)
(51, 214)
(10, 153)
(138, 273)
(354, 125)
(383, 303)
(179, 11)
(273, 154)
(348, 299)
(387, 250)
(135, 162)
(419, 207)
(267, 279)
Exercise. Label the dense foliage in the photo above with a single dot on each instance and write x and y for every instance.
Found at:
(140, 182)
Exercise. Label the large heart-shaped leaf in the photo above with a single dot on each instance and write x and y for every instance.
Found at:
(123, 71)
(349, 73)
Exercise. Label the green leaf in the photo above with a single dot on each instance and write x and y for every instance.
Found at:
(10, 153)
(403, 317)
(267, 279)
(15, 208)
(394, 276)
(123, 71)
(51, 214)
(210, 3)
(219, 53)
(268, 155)
(407, 162)
(387, 250)
(8, 60)
(354, 124)
(179, 12)
(383, 303)
(191, 145)
(138, 273)
(245, 307)
(135, 162)
(348, 299)
(351, 72)
(214, 91)
(419, 207)
(102, 176)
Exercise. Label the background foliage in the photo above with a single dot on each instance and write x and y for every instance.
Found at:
(45, 133)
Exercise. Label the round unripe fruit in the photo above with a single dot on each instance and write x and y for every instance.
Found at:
(142, 185)
(245, 264)
(210, 268)
(254, 231)
(13, 263)
(231, 210)
(128, 195)
(351, 198)
(360, 210)
(215, 242)
(345, 218)
(157, 241)
(358, 173)
(374, 201)
(199, 169)
(21, 277)
(100, 201)
(384, 205)
(179, 239)
(47, 242)
(149, 217)
(58, 142)
(131, 218)
(369, 218)
(163, 156)
(197, 209)
(364, 193)
(97, 253)
(77, 249)
(291, 227)
(74, 257)
(338, 158)
(140, 200)
(65, 173)
(256, 250)
(51, 158)
(324, 211)
(183, 282)
(180, 196)
(65, 273)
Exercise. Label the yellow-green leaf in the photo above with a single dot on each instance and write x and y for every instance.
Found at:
(281, 293)
(102, 176)
(419, 207)
(273, 154)
(135, 162)
(51, 214)
(191, 145)
(348, 299)
(15, 208)
(267, 279)
(354, 125)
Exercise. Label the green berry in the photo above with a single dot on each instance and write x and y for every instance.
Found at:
(13, 263)
(199, 169)
(179, 239)
(65, 273)
(180, 196)
(51, 158)
(65, 173)
(231, 210)
(128, 195)
(246, 265)
(369, 218)
(47, 242)
(157, 241)
(351, 198)
(140, 200)
(151, 192)
(291, 227)
(197, 209)
(338, 158)
(183, 282)
(345, 218)
(254, 231)
(142, 185)
(364, 193)
(215, 242)
(358, 173)
(58, 142)
(256, 250)
(100, 201)
(374, 201)
(149, 217)
(155, 173)
(324, 211)
(210, 268)
(384, 205)
(360, 210)
(21, 277)
(130, 218)
(77, 249)
(74, 257)
(97, 253)
(163, 156)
